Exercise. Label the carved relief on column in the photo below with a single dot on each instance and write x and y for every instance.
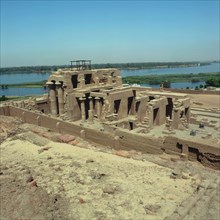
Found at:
(52, 95)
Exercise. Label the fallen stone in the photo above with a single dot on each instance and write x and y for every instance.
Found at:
(33, 138)
(151, 209)
(174, 159)
(109, 190)
(75, 142)
(32, 184)
(66, 138)
(185, 176)
(123, 153)
(89, 161)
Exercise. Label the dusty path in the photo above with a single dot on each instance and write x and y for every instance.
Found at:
(50, 180)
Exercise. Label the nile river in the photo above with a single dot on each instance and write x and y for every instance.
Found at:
(36, 77)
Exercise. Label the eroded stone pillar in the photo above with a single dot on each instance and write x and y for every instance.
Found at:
(122, 113)
(97, 104)
(151, 115)
(53, 101)
(90, 116)
(188, 115)
(83, 111)
(90, 103)
(60, 97)
(176, 118)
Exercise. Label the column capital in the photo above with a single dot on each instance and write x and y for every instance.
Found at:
(82, 99)
(50, 84)
(58, 84)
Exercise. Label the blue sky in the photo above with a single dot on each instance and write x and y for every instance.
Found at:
(55, 32)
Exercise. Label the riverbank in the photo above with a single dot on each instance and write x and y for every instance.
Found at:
(148, 79)
(129, 66)
(24, 85)
(158, 79)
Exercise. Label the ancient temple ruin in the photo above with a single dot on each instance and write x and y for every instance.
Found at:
(98, 96)
(96, 105)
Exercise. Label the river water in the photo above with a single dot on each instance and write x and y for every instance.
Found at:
(213, 67)
(36, 77)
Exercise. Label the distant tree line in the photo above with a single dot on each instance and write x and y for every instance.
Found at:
(211, 79)
(142, 65)
(158, 79)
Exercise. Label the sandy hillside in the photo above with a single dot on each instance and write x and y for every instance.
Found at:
(44, 179)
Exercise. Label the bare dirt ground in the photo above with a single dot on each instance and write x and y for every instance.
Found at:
(205, 101)
(45, 175)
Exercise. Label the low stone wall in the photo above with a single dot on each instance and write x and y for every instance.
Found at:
(119, 140)
(206, 152)
(139, 142)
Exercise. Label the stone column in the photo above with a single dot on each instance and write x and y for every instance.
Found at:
(123, 109)
(53, 101)
(97, 104)
(90, 116)
(151, 115)
(83, 112)
(22, 104)
(90, 103)
(176, 118)
(60, 97)
(162, 112)
(188, 115)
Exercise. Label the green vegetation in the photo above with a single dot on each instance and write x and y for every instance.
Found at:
(4, 98)
(158, 79)
(25, 85)
(166, 84)
(143, 65)
(213, 81)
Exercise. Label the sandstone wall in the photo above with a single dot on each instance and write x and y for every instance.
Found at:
(206, 151)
